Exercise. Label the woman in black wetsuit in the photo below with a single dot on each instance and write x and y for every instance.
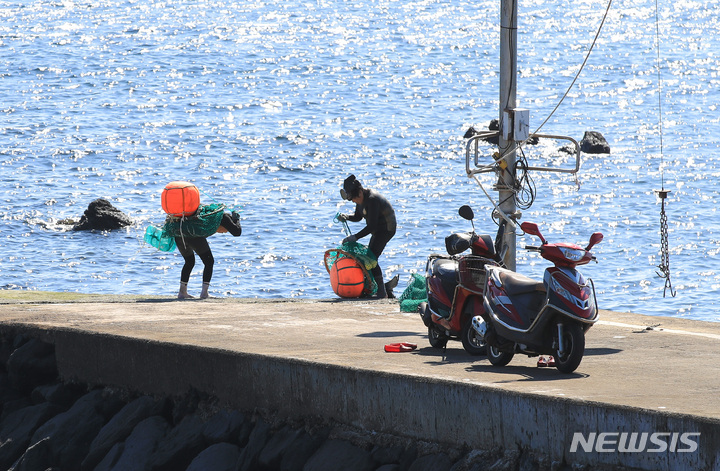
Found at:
(380, 224)
(189, 246)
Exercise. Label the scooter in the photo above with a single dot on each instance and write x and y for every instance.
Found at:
(524, 316)
(455, 286)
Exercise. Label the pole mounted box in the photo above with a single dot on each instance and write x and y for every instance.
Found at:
(516, 124)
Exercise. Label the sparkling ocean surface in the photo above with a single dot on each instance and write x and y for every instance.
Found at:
(267, 106)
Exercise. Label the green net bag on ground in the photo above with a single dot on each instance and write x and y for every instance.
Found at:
(362, 255)
(203, 223)
(414, 294)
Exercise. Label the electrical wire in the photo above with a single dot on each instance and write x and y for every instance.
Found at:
(587, 56)
(524, 184)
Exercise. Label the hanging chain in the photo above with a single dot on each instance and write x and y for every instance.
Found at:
(665, 248)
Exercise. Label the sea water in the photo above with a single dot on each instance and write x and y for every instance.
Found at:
(268, 105)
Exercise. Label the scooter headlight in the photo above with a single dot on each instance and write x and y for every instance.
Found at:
(572, 254)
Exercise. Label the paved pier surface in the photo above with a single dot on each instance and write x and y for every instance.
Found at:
(639, 374)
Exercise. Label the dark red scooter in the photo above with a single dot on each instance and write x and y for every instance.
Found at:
(551, 317)
(455, 286)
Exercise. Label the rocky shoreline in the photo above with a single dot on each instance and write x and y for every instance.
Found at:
(50, 425)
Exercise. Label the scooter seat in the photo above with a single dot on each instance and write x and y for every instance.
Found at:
(446, 269)
(515, 283)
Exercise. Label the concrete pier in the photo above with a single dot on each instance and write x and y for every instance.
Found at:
(644, 396)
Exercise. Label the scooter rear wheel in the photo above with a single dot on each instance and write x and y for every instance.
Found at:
(574, 342)
(498, 358)
(437, 339)
(471, 340)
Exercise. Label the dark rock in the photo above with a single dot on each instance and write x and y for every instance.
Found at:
(594, 143)
(180, 446)
(408, 457)
(18, 428)
(337, 454)
(224, 426)
(272, 453)
(187, 404)
(112, 457)
(102, 215)
(218, 457)
(31, 365)
(475, 460)
(120, 426)
(70, 433)
(300, 451)
(17, 402)
(38, 456)
(258, 438)
(138, 451)
(387, 455)
(60, 394)
(389, 467)
(510, 461)
(437, 462)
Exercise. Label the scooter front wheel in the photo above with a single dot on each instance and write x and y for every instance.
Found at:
(498, 358)
(574, 348)
(437, 339)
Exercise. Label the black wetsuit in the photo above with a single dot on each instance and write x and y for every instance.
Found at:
(380, 223)
(189, 246)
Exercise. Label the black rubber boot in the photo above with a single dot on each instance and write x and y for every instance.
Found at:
(381, 293)
(390, 285)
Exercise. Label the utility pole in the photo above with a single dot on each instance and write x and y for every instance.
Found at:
(506, 143)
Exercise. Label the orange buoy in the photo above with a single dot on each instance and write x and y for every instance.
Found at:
(180, 199)
(347, 278)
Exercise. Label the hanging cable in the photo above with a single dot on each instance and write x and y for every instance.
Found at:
(587, 56)
(524, 184)
(662, 193)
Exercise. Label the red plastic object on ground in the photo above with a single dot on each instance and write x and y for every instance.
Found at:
(400, 347)
(347, 278)
(180, 199)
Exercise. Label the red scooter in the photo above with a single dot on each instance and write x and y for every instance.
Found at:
(455, 288)
(525, 316)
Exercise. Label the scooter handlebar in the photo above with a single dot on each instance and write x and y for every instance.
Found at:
(532, 248)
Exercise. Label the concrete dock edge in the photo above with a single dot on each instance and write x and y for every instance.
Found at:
(419, 407)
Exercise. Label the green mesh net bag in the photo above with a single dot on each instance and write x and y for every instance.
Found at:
(414, 294)
(362, 255)
(159, 239)
(203, 223)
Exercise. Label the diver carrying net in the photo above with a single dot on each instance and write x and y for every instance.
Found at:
(364, 260)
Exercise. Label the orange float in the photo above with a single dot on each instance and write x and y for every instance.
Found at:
(347, 278)
(180, 199)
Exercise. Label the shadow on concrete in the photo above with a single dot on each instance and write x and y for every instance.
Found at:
(601, 351)
(390, 334)
(525, 373)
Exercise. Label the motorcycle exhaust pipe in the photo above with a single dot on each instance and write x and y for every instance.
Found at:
(479, 326)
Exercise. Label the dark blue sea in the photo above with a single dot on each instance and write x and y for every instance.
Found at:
(268, 105)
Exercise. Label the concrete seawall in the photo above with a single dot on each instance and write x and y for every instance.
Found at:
(324, 359)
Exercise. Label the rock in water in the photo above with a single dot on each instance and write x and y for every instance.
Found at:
(594, 143)
(102, 215)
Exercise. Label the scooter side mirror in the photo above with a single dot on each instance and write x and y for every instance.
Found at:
(596, 238)
(466, 212)
(532, 229)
